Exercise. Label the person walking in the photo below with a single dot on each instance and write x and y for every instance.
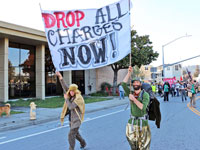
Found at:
(154, 88)
(121, 91)
(196, 86)
(177, 88)
(192, 93)
(183, 88)
(160, 89)
(166, 91)
(137, 130)
(74, 106)
(173, 89)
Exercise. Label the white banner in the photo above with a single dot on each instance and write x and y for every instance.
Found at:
(90, 38)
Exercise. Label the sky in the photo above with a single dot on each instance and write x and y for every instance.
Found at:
(162, 20)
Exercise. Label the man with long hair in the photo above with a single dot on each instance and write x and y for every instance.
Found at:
(74, 106)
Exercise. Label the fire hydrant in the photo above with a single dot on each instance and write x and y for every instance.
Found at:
(32, 111)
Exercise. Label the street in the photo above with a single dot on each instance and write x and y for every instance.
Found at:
(105, 130)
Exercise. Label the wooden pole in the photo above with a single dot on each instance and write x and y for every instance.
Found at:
(129, 62)
(130, 52)
(130, 75)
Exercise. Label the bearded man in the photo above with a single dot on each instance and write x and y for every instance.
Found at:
(137, 130)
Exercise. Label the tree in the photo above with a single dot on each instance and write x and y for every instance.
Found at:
(141, 54)
(136, 71)
(197, 71)
(11, 71)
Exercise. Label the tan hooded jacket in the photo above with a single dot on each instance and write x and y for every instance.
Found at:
(77, 107)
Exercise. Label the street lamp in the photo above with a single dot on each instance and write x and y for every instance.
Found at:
(163, 51)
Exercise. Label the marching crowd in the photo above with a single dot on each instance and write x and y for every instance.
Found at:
(181, 89)
(144, 106)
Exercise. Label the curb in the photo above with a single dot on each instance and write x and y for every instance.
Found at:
(27, 123)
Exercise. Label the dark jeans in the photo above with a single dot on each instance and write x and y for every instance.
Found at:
(160, 92)
(73, 135)
(173, 92)
(177, 92)
(166, 96)
(183, 95)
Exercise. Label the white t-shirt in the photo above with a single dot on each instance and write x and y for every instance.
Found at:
(121, 88)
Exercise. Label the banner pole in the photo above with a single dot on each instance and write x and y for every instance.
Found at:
(131, 73)
(130, 52)
(130, 57)
(40, 7)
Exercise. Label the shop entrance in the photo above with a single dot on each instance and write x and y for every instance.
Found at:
(78, 77)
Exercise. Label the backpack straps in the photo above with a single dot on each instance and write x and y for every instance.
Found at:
(142, 94)
(147, 110)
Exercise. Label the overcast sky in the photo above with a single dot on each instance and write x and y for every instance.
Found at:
(163, 20)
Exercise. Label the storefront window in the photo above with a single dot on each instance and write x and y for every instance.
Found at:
(21, 70)
(52, 84)
(78, 78)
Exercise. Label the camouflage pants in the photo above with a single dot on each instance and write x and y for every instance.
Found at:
(139, 139)
(72, 136)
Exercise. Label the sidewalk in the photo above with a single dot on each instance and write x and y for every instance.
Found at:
(44, 115)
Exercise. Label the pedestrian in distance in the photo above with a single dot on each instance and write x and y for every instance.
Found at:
(196, 86)
(177, 88)
(137, 130)
(166, 91)
(121, 92)
(160, 89)
(192, 92)
(183, 88)
(173, 89)
(74, 106)
(154, 88)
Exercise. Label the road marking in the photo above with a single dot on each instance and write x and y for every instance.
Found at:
(35, 134)
(193, 109)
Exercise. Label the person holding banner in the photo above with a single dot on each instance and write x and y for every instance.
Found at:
(137, 130)
(74, 106)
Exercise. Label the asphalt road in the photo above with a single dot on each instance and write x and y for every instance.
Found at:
(105, 130)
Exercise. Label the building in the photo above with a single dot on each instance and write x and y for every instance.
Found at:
(26, 68)
(174, 71)
(151, 74)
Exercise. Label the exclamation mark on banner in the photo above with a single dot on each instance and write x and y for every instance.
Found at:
(113, 43)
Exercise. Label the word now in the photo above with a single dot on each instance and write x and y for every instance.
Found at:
(94, 53)
(68, 20)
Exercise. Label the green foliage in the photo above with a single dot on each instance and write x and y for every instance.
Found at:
(104, 85)
(12, 113)
(99, 93)
(141, 52)
(53, 102)
(95, 99)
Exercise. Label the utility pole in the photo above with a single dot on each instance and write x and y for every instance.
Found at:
(163, 57)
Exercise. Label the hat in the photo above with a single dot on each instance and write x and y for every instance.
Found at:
(136, 79)
(32, 104)
(73, 87)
